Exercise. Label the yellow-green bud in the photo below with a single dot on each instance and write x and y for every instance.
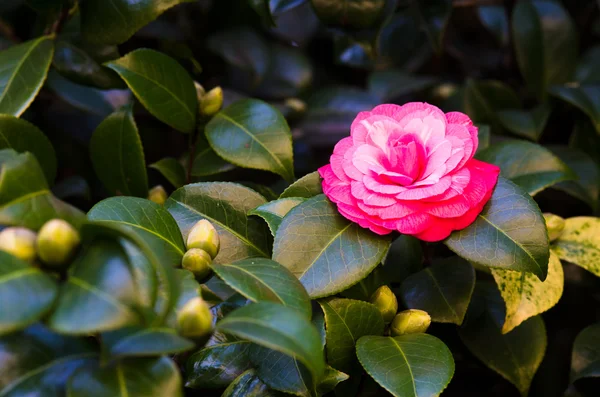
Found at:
(200, 91)
(197, 261)
(295, 104)
(411, 321)
(204, 236)
(211, 102)
(385, 300)
(555, 225)
(195, 319)
(56, 242)
(19, 242)
(158, 195)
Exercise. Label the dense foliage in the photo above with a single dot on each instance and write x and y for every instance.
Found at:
(165, 232)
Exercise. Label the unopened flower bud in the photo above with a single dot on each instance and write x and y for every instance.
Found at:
(211, 102)
(204, 236)
(198, 262)
(19, 242)
(410, 321)
(385, 300)
(195, 319)
(56, 242)
(200, 91)
(555, 225)
(158, 195)
(295, 104)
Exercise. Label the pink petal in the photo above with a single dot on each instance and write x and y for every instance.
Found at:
(421, 192)
(360, 192)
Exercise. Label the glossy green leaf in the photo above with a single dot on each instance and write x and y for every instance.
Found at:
(247, 385)
(587, 69)
(443, 290)
(22, 136)
(525, 295)
(30, 292)
(413, 365)
(483, 100)
(435, 15)
(324, 250)
(527, 164)
(253, 134)
(207, 162)
(140, 377)
(510, 233)
(579, 243)
(24, 69)
(172, 170)
(261, 279)
(115, 21)
(526, 124)
(226, 206)
(390, 84)
(188, 288)
(143, 342)
(349, 13)
(162, 85)
(585, 361)
(330, 380)
(586, 98)
(278, 328)
(545, 41)
(118, 156)
(308, 186)
(494, 18)
(217, 366)
(274, 211)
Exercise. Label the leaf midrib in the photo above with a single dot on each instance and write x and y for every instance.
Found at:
(254, 277)
(412, 377)
(329, 243)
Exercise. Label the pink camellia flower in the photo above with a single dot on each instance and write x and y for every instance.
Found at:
(409, 168)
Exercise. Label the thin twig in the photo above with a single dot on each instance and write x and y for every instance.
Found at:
(7, 31)
(60, 21)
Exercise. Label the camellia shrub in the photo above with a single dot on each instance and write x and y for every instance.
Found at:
(294, 197)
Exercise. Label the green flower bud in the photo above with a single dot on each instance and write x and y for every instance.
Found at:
(211, 102)
(56, 242)
(198, 262)
(555, 225)
(200, 91)
(385, 300)
(411, 321)
(158, 195)
(297, 105)
(19, 242)
(195, 319)
(204, 236)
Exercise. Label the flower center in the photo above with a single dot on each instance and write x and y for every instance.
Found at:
(405, 159)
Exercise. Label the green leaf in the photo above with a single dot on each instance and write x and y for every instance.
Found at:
(525, 295)
(585, 98)
(115, 21)
(435, 15)
(289, 73)
(413, 365)
(25, 199)
(143, 342)
(31, 291)
(527, 164)
(207, 162)
(162, 85)
(349, 13)
(22, 136)
(262, 279)
(100, 293)
(526, 124)
(510, 233)
(443, 290)
(330, 380)
(225, 205)
(308, 186)
(484, 99)
(217, 366)
(546, 44)
(172, 170)
(274, 211)
(140, 377)
(325, 251)
(516, 356)
(494, 18)
(579, 243)
(587, 69)
(247, 385)
(390, 84)
(118, 156)
(24, 69)
(585, 361)
(188, 288)
(253, 134)
(278, 328)
(484, 136)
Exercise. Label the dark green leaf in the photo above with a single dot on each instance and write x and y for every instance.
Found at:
(390, 84)
(225, 205)
(413, 365)
(142, 342)
(585, 362)
(496, 21)
(24, 69)
(435, 15)
(484, 136)
(510, 233)
(162, 85)
(330, 380)
(587, 69)
(218, 365)
(30, 291)
(115, 21)
(527, 164)
(262, 279)
(483, 100)
(308, 186)
(274, 211)
(443, 290)
(172, 170)
(585, 98)
(349, 13)
(579, 243)
(247, 385)
(23, 136)
(88, 99)
(207, 162)
(545, 41)
(324, 250)
(529, 125)
(289, 73)
(140, 377)
(118, 156)
(252, 134)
